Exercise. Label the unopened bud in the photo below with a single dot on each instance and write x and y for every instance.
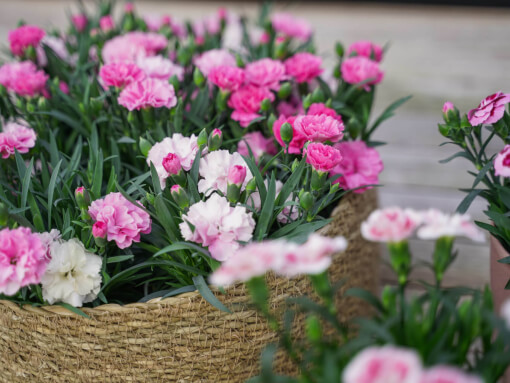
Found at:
(307, 101)
(202, 138)
(251, 186)
(131, 117)
(318, 179)
(339, 49)
(265, 105)
(198, 78)
(99, 231)
(306, 201)
(82, 197)
(172, 164)
(174, 81)
(239, 61)
(286, 132)
(295, 165)
(145, 146)
(313, 328)
(285, 90)
(42, 104)
(215, 140)
(318, 95)
(180, 196)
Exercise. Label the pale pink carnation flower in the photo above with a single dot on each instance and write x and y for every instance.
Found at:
(154, 22)
(160, 67)
(258, 144)
(217, 225)
(447, 374)
(23, 78)
(360, 166)
(185, 148)
(291, 26)
(16, 137)
(120, 74)
(22, 259)
(360, 69)
(289, 213)
(47, 238)
(502, 162)
(490, 110)
(304, 66)
(23, 37)
(227, 77)
(79, 21)
(384, 364)
(319, 108)
(132, 46)
(148, 93)
(106, 23)
(298, 139)
(323, 158)
(214, 58)
(289, 108)
(124, 221)
(246, 102)
(265, 73)
(437, 224)
(214, 169)
(319, 128)
(391, 224)
(57, 45)
(367, 49)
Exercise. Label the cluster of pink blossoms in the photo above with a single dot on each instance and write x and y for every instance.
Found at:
(23, 37)
(16, 137)
(23, 78)
(362, 65)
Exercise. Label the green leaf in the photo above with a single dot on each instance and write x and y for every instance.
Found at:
(456, 155)
(26, 184)
(166, 219)
(182, 246)
(74, 309)
(120, 258)
(468, 200)
(388, 112)
(155, 180)
(168, 293)
(291, 184)
(261, 186)
(366, 296)
(97, 181)
(178, 117)
(51, 190)
(208, 295)
(266, 213)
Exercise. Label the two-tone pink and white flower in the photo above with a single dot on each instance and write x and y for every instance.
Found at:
(436, 224)
(392, 224)
(160, 68)
(502, 162)
(214, 58)
(448, 374)
(16, 137)
(490, 110)
(290, 26)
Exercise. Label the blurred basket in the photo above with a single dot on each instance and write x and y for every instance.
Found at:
(177, 339)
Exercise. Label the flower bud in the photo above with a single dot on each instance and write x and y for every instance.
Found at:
(99, 232)
(313, 328)
(388, 297)
(215, 140)
(202, 139)
(239, 61)
(180, 196)
(145, 146)
(334, 188)
(174, 81)
(318, 95)
(295, 165)
(265, 105)
(184, 55)
(30, 53)
(285, 90)
(318, 179)
(270, 122)
(307, 101)
(150, 198)
(82, 197)
(339, 49)
(30, 106)
(42, 104)
(131, 117)
(251, 186)
(221, 100)
(129, 7)
(306, 201)
(198, 78)
(336, 72)
(172, 164)
(4, 215)
(286, 132)
(236, 177)
(444, 130)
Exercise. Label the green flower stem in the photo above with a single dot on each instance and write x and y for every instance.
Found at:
(442, 257)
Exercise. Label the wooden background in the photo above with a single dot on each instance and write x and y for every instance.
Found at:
(437, 54)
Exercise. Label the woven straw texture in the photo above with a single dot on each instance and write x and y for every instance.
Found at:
(178, 339)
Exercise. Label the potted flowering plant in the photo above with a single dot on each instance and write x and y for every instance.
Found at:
(440, 334)
(140, 154)
(474, 133)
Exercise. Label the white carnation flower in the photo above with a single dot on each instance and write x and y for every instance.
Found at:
(73, 274)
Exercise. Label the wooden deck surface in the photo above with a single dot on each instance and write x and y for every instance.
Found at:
(436, 54)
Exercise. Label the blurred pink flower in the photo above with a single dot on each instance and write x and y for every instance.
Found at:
(22, 259)
(323, 158)
(214, 58)
(227, 77)
(502, 162)
(79, 21)
(106, 23)
(298, 138)
(160, 67)
(124, 221)
(319, 108)
(319, 128)
(16, 137)
(448, 106)
(185, 148)
(384, 364)
(23, 78)
(148, 93)
(246, 102)
(437, 224)
(291, 26)
(367, 49)
(132, 46)
(490, 110)
(23, 37)
(258, 144)
(360, 69)
(292, 107)
(120, 74)
(391, 224)
(360, 166)
(447, 374)
(217, 225)
(304, 66)
(265, 73)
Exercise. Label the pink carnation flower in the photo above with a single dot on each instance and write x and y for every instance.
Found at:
(132, 46)
(106, 23)
(160, 67)
(323, 158)
(502, 162)
(319, 108)
(258, 144)
(185, 148)
(360, 69)
(319, 128)
(446, 374)
(148, 93)
(360, 166)
(23, 78)
(217, 225)
(384, 364)
(490, 110)
(22, 259)
(391, 224)
(265, 73)
(214, 168)
(79, 21)
(23, 37)
(447, 106)
(214, 58)
(366, 49)
(236, 175)
(227, 77)
(16, 137)
(124, 221)
(120, 74)
(291, 26)
(303, 66)
(298, 139)
(246, 103)
(437, 224)
(289, 108)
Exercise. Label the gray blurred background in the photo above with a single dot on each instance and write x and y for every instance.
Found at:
(437, 53)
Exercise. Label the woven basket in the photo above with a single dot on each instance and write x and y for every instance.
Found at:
(178, 339)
